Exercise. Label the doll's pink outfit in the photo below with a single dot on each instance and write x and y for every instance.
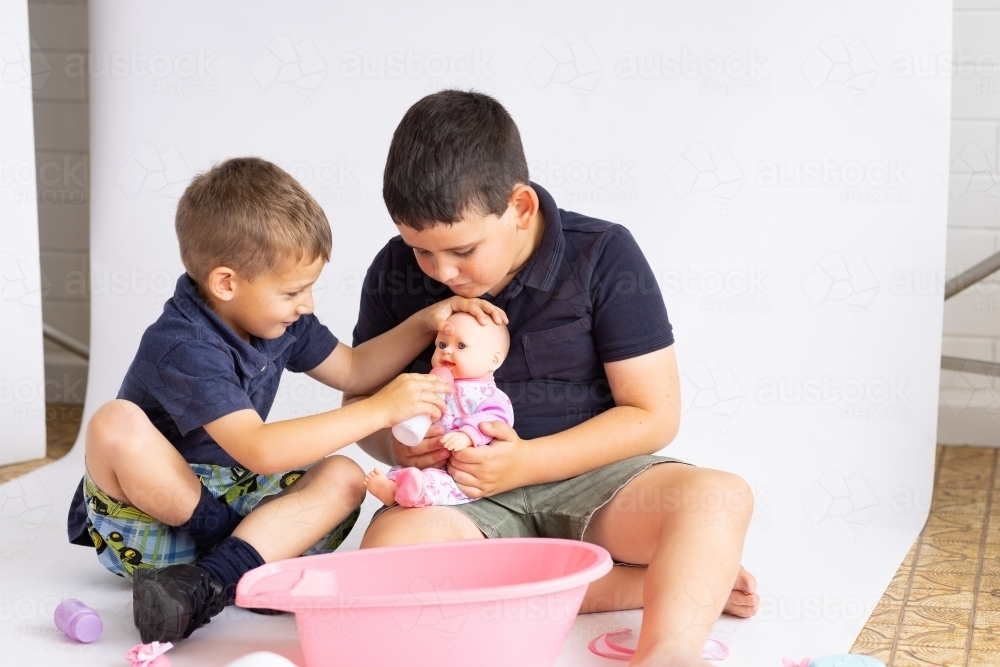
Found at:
(474, 401)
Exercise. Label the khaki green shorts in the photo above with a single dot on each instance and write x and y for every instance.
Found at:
(557, 509)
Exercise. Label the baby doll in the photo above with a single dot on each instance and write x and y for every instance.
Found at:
(471, 353)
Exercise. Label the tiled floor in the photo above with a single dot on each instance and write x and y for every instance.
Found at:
(942, 607)
(62, 423)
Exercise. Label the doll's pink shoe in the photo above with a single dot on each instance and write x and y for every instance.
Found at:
(410, 488)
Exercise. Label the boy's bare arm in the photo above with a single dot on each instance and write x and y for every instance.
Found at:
(363, 369)
(645, 419)
(285, 445)
(377, 444)
(360, 370)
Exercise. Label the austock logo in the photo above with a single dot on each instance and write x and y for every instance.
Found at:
(715, 390)
(151, 170)
(838, 62)
(284, 61)
(572, 64)
(836, 496)
(421, 606)
(701, 170)
(847, 281)
(18, 68)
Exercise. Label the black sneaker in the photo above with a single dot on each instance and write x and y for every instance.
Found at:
(264, 611)
(170, 603)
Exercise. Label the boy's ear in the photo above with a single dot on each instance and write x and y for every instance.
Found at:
(221, 283)
(497, 359)
(524, 199)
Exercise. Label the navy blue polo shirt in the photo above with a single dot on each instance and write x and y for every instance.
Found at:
(586, 297)
(192, 369)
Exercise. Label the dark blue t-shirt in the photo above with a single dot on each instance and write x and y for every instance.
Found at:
(192, 369)
(587, 297)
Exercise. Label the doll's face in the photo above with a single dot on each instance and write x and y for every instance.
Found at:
(472, 350)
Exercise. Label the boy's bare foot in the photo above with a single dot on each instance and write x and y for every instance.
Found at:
(381, 487)
(743, 601)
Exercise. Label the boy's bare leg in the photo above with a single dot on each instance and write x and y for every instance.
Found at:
(694, 538)
(132, 462)
(418, 525)
(688, 524)
(381, 487)
(286, 524)
(621, 589)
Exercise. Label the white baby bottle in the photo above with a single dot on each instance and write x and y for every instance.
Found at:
(412, 431)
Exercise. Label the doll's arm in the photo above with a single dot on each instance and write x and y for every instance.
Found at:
(456, 441)
(495, 408)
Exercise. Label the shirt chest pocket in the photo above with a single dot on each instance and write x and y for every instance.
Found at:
(566, 352)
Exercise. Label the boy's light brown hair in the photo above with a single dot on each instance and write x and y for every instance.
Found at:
(251, 216)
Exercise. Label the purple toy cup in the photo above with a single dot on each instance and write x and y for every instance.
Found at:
(78, 621)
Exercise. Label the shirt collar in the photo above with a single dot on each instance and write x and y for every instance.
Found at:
(542, 269)
(253, 356)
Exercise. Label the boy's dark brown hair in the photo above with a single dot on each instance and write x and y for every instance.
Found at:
(249, 215)
(454, 152)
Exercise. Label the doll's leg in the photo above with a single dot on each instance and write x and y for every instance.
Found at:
(382, 486)
(404, 486)
(410, 484)
(431, 486)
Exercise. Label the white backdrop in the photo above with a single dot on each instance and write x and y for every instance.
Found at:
(22, 384)
(783, 167)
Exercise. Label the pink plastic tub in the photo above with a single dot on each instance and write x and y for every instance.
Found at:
(490, 603)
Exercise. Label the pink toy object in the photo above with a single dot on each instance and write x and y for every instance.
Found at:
(412, 431)
(149, 655)
(620, 645)
(410, 488)
(492, 603)
(78, 621)
(790, 662)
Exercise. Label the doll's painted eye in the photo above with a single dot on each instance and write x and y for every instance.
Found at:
(461, 346)
(442, 345)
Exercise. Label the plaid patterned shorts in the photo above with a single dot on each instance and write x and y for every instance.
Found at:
(127, 538)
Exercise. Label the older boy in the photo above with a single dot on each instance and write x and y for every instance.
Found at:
(591, 373)
(182, 469)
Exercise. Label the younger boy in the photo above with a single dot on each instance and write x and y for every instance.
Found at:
(182, 469)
